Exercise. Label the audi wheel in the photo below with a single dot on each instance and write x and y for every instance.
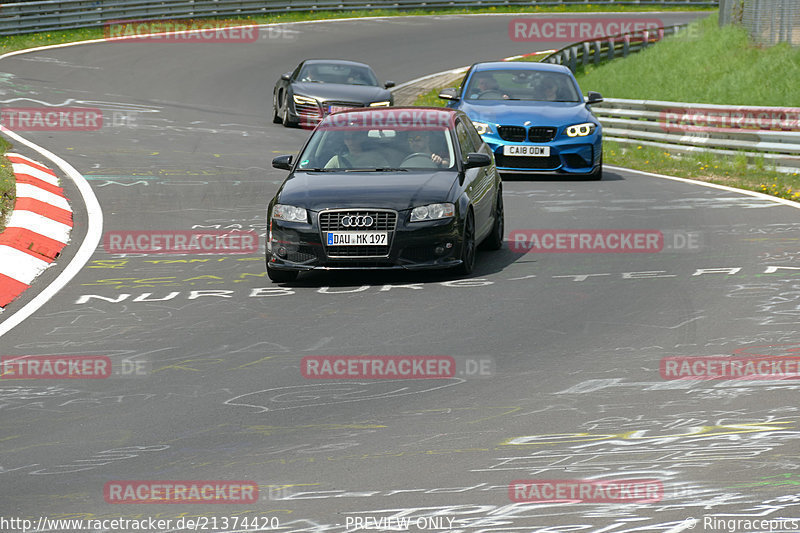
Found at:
(468, 247)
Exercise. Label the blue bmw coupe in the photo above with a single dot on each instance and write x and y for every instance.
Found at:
(534, 118)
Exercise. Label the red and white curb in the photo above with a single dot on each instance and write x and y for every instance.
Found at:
(37, 230)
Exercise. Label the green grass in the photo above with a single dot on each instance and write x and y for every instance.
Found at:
(20, 42)
(7, 184)
(705, 64)
(731, 171)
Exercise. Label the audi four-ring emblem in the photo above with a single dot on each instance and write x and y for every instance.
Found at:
(357, 221)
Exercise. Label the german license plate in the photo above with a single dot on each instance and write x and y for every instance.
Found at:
(528, 151)
(357, 238)
(337, 108)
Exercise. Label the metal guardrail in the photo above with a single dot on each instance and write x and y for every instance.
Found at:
(692, 127)
(52, 15)
(596, 51)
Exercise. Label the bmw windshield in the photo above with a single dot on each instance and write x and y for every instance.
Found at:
(521, 85)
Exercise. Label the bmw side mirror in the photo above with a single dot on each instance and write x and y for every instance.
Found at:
(594, 98)
(287, 76)
(448, 94)
(389, 84)
(475, 159)
(283, 162)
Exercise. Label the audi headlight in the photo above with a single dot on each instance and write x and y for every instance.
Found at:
(303, 100)
(385, 103)
(482, 127)
(581, 130)
(289, 213)
(432, 212)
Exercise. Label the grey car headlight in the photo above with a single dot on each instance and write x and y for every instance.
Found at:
(289, 213)
(432, 212)
(581, 130)
(303, 100)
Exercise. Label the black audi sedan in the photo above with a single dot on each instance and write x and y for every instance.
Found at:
(318, 87)
(397, 188)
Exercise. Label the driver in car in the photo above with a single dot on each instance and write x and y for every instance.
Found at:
(485, 83)
(419, 143)
(357, 156)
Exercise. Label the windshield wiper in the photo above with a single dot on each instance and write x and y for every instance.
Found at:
(319, 169)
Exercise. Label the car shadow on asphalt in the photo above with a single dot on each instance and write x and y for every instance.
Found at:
(608, 175)
(487, 263)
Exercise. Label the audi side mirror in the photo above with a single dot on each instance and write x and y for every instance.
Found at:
(283, 162)
(389, 84)
(287, 76)
(475, 159)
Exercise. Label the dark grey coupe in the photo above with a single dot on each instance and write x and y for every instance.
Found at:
(318, 87)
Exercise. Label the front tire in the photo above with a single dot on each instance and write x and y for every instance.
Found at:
(495, 239)
(468, 247)
(281, 276)
(287, 122)
(276, 117)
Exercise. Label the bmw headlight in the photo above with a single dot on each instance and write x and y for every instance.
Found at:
(482, 127)
(432, 212)
(303, 100)
(581, 130)
(289, 213)
(385, 103)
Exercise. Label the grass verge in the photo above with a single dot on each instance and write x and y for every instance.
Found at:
(20, 42)
(7, 184)
(705, 64)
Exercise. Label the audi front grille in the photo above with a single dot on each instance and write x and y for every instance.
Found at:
(355, 220)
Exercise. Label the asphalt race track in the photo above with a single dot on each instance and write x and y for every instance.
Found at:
(572, 389)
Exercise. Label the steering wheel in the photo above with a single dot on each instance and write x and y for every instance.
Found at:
(420, 159)
(491, 94)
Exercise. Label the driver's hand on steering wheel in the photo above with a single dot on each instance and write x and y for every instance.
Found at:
(439, 160)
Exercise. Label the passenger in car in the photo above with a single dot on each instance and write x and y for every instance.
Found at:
(358, 155)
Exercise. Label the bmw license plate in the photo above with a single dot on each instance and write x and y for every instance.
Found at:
(528, 151)
(357, 238)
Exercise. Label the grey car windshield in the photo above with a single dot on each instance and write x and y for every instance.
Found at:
(348, 149)
(337, 73)
(522, 85)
